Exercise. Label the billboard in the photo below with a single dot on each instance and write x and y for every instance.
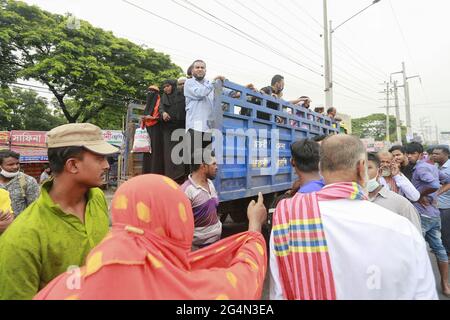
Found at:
(31, 154)
(29, 138)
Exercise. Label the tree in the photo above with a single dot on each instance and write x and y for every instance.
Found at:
(374, 126)
(77, 62)
(25, 110)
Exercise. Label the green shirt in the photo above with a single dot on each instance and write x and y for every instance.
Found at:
(43, 242)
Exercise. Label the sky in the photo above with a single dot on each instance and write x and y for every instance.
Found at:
(250, 41)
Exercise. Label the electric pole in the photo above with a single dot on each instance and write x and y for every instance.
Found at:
(326, 33)
(388, 92)
(388, 135)
(407, 104)
(397, 114)
(409, 133)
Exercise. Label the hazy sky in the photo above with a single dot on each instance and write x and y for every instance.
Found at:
(366, 50)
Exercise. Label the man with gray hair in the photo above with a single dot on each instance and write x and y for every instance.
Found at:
(335, 244)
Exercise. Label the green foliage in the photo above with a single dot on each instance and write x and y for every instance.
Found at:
(374, 126)
(91, 73)
(24, 110)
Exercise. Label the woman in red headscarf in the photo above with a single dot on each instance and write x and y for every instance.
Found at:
(147, 254)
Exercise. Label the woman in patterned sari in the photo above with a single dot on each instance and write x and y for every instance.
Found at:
(147, 255)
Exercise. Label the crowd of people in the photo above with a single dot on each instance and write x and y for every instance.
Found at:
(188, 103)
(354, 225)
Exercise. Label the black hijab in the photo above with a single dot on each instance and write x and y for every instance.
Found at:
(169, 100)
(152, 98)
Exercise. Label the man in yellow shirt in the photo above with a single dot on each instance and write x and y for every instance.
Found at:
(70, 217)
(6, 211)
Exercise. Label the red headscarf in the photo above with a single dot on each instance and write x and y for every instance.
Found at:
(147, 255)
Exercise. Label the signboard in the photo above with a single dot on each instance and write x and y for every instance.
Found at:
(29, 138)
(4, 138)
(114, 137)
(31, 154)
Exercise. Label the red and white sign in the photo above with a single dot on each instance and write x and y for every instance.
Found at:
(29, 138)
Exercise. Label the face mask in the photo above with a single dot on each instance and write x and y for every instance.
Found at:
(365, 180)
(8, 175)
(372, 185)
(386, 172)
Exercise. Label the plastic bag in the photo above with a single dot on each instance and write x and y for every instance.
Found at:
(141, 141)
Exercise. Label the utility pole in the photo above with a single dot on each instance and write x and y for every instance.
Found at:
(388, 135)
(326, 33)
(409, 133)
(407, 103)
(388, 92)
(397, 114)
(328, 47)
(437, 134)
(331, 62)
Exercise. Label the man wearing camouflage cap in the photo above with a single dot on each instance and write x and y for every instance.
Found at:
(70, 217)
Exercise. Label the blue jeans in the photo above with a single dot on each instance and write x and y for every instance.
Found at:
(431, 228)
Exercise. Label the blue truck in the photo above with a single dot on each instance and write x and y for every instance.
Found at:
(255, 132)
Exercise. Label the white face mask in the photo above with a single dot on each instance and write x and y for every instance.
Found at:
(364, 182)
(372, 185)
(9, 175)
(386, 172)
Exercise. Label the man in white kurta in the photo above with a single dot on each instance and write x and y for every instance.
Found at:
(374, 253)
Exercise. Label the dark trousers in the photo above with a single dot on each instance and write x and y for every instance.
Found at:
(199, 141)
(445, 228)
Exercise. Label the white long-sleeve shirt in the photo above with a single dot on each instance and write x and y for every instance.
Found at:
(406, 188)
(375, 254)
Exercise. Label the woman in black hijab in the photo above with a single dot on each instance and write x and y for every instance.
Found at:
(153, 162)
(173, 115)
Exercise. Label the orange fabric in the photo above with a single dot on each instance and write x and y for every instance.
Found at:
(155, 114)
(147, 255)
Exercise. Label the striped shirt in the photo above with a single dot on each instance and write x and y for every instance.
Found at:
(204, 202)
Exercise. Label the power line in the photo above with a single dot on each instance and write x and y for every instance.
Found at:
(359, 59)
(360, 82)
(355, 84)
(405, 43)
(283, 19)
(243, 34)
(214, 41)
(356, 92)
(306, 12)
(355, 64)
(363, 69)
(275, 26)
(265, 32)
